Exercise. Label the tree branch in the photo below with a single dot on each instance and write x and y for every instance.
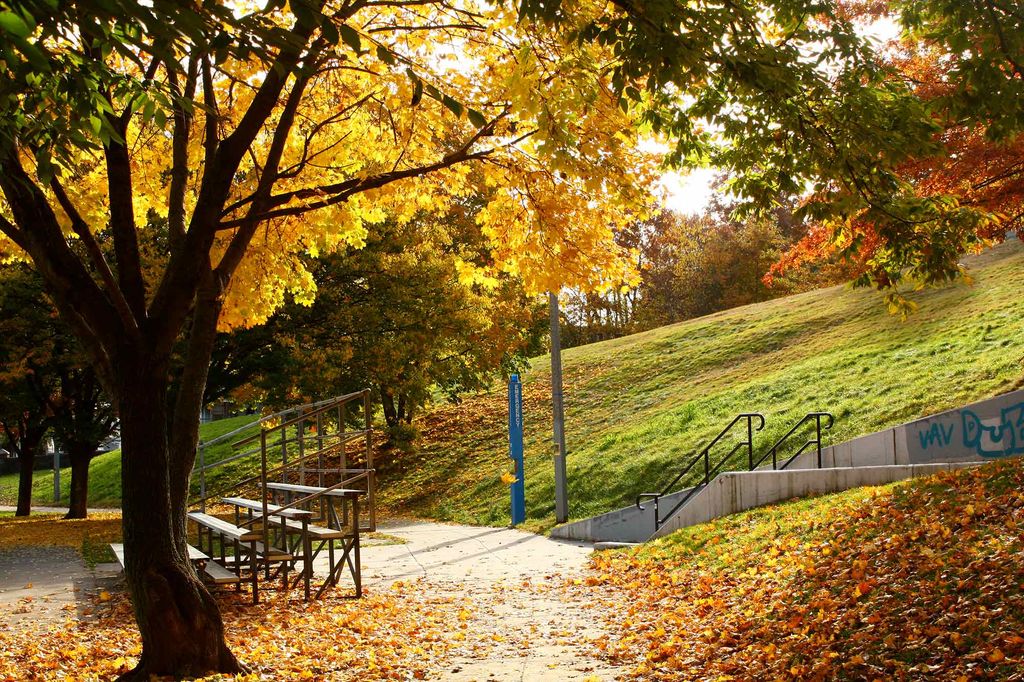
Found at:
(176, 291)
(76, 294)
(341, 191)
(96, 257)
(179, 152)
(122, 224)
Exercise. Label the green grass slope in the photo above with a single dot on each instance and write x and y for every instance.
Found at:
(105, 470)
(637, 407)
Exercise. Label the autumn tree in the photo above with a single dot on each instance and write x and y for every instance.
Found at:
(405, 315)
(963, 60)
(819, 115)
(904, 159)
(49, 387)
(194, 155)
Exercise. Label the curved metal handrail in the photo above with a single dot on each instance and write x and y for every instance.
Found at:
(709, 471)
(816, 441)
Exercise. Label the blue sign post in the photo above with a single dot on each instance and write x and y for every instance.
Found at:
(515, 446)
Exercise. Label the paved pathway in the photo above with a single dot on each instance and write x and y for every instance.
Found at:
(43, 585)
(532, 630)
(519, 625)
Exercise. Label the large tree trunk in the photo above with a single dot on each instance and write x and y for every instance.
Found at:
(26, 461)
(81, 455)
(182, 631)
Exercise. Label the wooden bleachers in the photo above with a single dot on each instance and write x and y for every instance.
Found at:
(209, 570)
(281, 523)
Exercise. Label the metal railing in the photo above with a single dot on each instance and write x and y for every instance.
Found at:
(704, 456)
(816, 441)
(283, 436)
(201, 467)
(710, 472)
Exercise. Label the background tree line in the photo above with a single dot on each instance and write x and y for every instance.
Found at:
(694, 265)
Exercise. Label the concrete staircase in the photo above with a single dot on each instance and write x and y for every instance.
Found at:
(966, 436)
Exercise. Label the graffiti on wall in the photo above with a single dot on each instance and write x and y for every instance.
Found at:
(1001, 436)
(998, 438)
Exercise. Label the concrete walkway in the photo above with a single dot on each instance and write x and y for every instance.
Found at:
(478, 553)
(43, 585)
(521, 625)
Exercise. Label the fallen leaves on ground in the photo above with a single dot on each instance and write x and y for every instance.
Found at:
(53, 529)
(918, 580)
(398, 633)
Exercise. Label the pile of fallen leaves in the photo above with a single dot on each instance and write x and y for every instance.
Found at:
(397, 634)
(922, 579)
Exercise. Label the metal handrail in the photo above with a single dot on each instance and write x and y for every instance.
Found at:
(323, 407)
(328, 450)
(267, 417)
(704, 456)
(316, 409)
(816, 441)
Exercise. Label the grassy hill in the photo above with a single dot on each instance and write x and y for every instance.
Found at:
(915, 580)
(637, 406)
(105, 470)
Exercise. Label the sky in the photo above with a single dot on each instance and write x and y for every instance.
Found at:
(688, 193)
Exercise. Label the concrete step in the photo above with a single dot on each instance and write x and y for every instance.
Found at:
(602, 546)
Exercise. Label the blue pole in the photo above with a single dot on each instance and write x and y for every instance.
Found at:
(515, 445)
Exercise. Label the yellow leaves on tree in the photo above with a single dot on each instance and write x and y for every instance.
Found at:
(512, 114)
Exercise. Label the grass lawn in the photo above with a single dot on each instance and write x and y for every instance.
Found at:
(914, 580)
(639, 406)
(105, 470)
(636, 407)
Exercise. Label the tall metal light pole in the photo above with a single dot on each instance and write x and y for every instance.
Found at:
(558, 413)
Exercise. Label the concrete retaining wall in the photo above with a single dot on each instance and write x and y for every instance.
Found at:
(988, 429)
(738, 491)
(628, 524)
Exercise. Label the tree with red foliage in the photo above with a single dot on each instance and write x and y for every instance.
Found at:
(964, 62)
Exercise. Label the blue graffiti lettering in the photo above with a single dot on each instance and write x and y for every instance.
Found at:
(995, 440)
(936, 435)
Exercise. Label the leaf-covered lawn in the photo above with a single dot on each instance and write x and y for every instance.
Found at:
(91, 536)
(396, 634)
(922, 579)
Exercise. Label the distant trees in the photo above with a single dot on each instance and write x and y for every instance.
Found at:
(696, 265)
(47, 387)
